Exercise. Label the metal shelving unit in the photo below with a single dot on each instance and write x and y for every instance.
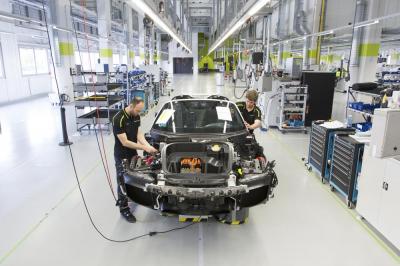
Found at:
(293, 108)
(360, 112)
(97, 100)
(136, 81)
(163, 83)
(354, 94)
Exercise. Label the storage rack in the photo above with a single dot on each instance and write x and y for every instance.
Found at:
(346, 167)
(99, 99)
(146, 88)
(390, 77)
(293, 105)
(136, 81)
(365, 110)
(321, 148)
(163, 83)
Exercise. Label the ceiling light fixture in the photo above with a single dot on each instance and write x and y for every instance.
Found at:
(367, 24)
(142, 6)
(61, 29)
(227, 33)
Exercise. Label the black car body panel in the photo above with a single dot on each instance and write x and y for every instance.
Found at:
(200, 173)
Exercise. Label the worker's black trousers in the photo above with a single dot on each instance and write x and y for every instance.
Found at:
(122, 200)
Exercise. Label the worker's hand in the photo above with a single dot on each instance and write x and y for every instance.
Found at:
(150, 149)
(247, 125)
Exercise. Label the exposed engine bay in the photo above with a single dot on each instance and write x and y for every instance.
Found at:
(186, 172)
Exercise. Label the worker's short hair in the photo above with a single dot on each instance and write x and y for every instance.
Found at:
(135, 101)
(252, 95)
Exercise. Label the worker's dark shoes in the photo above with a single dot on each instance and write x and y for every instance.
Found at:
(126, 213)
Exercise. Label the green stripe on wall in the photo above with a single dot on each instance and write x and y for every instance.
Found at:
(312, 53)
(106, 52)
(66, 48)
(131, 54)
(369, 49)
(327, 58)
(286, 55)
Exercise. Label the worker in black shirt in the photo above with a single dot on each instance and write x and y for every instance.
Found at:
(250, 112)
(128, 139)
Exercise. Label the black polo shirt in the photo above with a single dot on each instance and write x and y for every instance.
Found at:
(125, 123)
(249, 117)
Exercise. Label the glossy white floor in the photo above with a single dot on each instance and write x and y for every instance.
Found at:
(43, 222)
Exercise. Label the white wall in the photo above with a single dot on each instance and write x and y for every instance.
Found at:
(175, 52)
(14, 85)
(339, 13)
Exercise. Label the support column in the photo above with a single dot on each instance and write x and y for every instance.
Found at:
(195, 51)
(158, 35)
(104, 26)
(151, 46)
(287, 48)
(130, 52)
(306, 56)
(314, 51)
(142, 33)
(365, 53)
(280, 55)
(62, 45)
(312, 60)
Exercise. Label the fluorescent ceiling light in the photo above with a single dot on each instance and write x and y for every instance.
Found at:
(39, 37)
(158, 21)
(367, 24)
(61, 29)
(253, 10)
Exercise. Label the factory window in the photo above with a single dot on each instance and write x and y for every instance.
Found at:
(42, 63)
(34, 61)
(116, 59)
(88, 61)
(27, 56)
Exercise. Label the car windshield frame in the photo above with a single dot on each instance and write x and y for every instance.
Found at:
(191, 126)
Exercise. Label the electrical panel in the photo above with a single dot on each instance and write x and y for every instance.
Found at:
(385, 140)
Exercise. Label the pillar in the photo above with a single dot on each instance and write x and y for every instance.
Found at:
(306, 48)
(62, 45)
(151, 46)
(314, 51)
(365, 53)
(287, 48)
(130, 54)
(280, 52)
(158, 48)
(195, 51)
(104, 26)
(142, 33)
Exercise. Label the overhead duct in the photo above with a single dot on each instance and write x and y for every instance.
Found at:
(300, 20)
(361, 8)
(280, 16)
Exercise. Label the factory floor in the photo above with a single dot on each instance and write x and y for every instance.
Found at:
(43, 221)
